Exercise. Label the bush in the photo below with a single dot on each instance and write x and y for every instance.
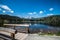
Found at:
(58, 34)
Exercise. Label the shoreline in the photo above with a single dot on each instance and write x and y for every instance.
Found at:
(17, 24)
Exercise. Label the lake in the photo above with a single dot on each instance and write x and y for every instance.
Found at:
(34, 28)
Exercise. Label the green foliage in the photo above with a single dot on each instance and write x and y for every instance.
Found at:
(45, 34)
(9, 19)
(58, 34)
(51, 20)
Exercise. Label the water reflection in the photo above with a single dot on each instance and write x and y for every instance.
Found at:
(43, 28)
(35, 28)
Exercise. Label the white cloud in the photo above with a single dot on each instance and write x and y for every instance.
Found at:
(4, 11)
(30, 13)
(50, 14)
(12, 11)
(41, 12)
(34, 12)
(51, 9)
(5, 7)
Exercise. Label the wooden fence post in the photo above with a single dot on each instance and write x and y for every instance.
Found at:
(13, 35)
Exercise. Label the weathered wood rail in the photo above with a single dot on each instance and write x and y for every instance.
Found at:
(8, 32)
(20, 25)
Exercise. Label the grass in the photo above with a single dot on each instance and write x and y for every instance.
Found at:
(49, 34)
(58, 34)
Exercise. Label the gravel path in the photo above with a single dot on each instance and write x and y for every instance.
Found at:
(37, 37)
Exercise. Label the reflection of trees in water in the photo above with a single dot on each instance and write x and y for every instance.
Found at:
(43, 31)
(36, 30)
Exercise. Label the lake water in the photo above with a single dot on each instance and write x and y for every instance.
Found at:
(38, 28)
(44, 28)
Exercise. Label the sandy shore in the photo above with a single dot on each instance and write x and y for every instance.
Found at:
(37, 37)
(18, 24)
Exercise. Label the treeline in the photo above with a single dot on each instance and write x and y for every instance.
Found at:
(53, 20)
(8, 19)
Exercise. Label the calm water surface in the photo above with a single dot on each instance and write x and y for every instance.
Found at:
(42, 26)
(38, 27)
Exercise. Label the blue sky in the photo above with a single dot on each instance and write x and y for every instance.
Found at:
(30, 8)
